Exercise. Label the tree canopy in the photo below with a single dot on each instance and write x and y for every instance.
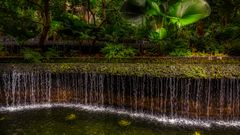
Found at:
(174, 25)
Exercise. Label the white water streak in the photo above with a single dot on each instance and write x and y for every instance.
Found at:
(160, 119)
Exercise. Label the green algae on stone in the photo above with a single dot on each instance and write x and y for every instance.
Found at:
(179, 70)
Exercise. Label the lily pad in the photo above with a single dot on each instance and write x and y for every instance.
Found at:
(71, 117)
(124, 123)
(2, 118)
(197, 133)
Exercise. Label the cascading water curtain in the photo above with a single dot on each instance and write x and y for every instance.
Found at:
(201, 99)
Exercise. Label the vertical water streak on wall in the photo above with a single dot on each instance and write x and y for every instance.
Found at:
(165, 97)
(18, 90)
(57, 87)
(150, 99)
(231, 108)
(133, 94)
(198, 98)
(90, 90)
(172, 97)
(32, 89)
(187, 96)
(86, 88)
(123, 79)
(238, 99)
(161, 96)
(157, 91)
(222, 93)
(5, 88)
(142, 95)
(101, 89)
(22, 88)
(208, 98)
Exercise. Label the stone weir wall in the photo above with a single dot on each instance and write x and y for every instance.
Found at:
(192, 98)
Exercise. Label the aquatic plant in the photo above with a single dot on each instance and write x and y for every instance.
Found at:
(70, 117)
(124, 123)
(2, 118)
(197, 133)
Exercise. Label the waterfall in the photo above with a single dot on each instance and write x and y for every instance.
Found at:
(201, 99)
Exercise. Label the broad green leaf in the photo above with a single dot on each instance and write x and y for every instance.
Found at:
(153, 8)
(162, 33)
(157, 35)
(187, 12)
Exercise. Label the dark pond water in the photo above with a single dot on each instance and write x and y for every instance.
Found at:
(69, 121)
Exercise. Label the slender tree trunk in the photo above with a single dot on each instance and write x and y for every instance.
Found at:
(88, 9)
(46, 23)
(104, 9)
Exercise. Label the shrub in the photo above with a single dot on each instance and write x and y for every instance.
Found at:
(51, 52)
(1, 47)
(117, 51)
(31, 55)
(181, 52)
(3, 51)
(234, 47)
(156, 36)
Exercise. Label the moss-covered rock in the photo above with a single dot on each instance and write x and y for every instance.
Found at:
(179, 70)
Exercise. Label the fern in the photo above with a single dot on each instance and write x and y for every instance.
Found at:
(31, 55)
(117, 51)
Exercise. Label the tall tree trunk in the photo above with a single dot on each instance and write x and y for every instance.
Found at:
(46, 23)
(228, 10)
(88, 9)
(104, 9)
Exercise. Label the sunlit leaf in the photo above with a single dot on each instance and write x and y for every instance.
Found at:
(159, 34)
(187, 12)
(153, 9)
(162, 32)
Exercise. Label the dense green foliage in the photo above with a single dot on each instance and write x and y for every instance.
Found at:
(118, 51)
(176, 27)
(31, 55)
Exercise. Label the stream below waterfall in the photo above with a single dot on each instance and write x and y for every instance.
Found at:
(75, 121)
